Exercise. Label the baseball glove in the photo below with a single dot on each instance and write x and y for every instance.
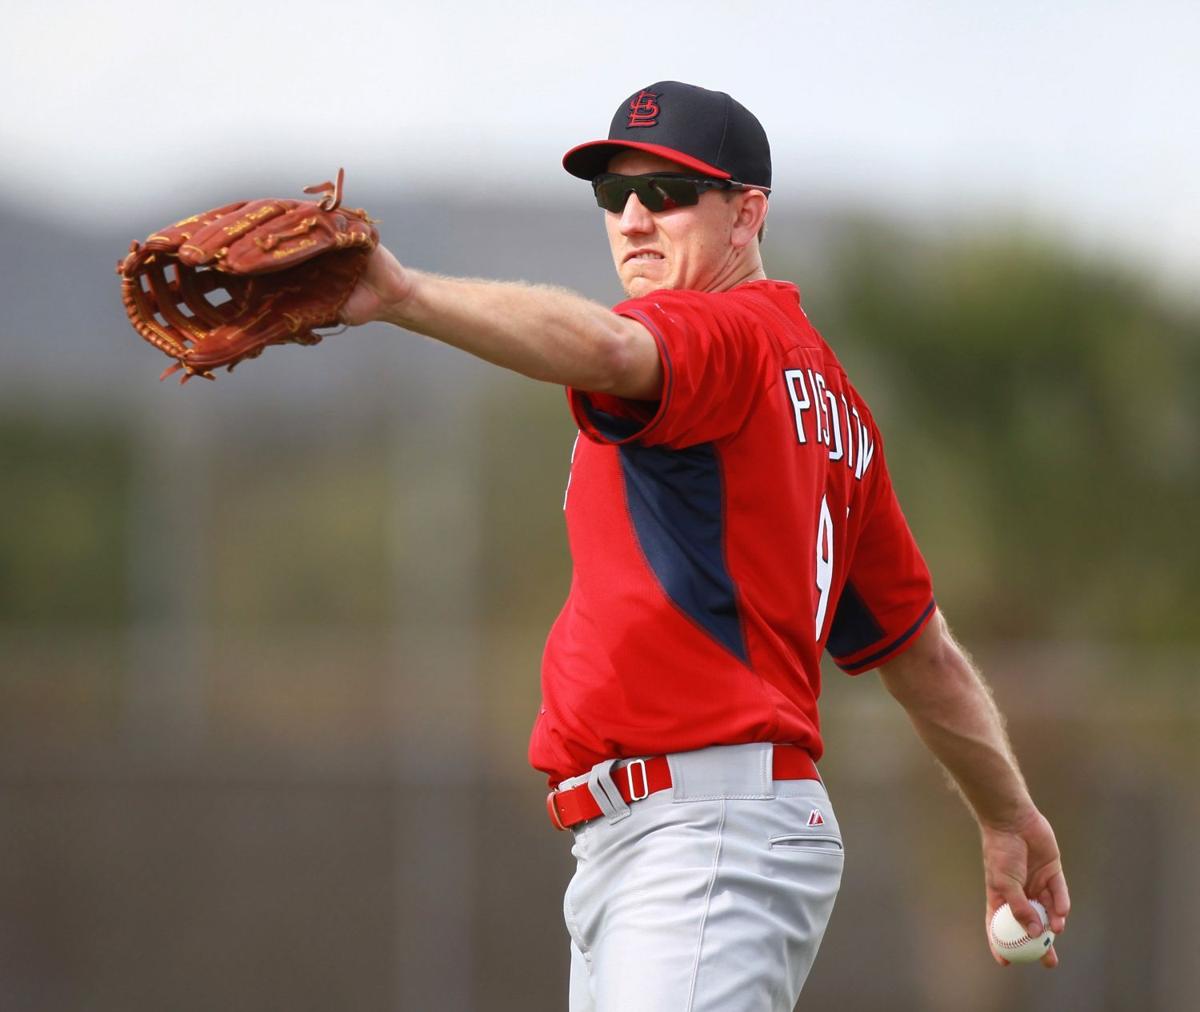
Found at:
(221, 286)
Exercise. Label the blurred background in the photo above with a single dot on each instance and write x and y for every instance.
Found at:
(269, 646)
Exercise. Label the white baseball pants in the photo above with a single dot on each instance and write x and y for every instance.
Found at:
(712, 896)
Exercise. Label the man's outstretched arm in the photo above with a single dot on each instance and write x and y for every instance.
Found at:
(954, 714)
(545, 333)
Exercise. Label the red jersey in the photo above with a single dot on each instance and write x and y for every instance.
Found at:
(722, 537)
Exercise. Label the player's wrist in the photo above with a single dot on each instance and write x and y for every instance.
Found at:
(1014, 818)
(400, 297)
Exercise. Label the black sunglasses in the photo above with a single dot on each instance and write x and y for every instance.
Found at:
(657, 191)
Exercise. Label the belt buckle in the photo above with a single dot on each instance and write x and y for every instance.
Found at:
(629, 767)
(552, 808)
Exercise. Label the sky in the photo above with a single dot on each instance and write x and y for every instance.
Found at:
(1077, 116)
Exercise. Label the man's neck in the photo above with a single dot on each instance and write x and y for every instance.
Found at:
(739, 273)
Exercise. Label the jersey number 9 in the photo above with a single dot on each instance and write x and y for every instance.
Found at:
(824, 578)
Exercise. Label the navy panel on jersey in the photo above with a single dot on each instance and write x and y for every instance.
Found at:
(866, 663)
(676, 505)
(611, 426)
(854, 628)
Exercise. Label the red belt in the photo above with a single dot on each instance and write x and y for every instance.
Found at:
(640, 778)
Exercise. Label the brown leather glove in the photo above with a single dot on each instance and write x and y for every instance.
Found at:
(220, 286)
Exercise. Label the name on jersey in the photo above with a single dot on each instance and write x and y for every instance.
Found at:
(826, 418)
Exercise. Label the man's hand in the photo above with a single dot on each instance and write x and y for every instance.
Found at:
(384, 283)
(1023, 861)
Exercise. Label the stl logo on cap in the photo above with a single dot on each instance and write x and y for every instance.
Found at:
(643, 110)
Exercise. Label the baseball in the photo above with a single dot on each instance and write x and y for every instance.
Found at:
(1010, 940)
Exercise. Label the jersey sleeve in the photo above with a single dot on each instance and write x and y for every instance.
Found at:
(712, 354)
(888, 596)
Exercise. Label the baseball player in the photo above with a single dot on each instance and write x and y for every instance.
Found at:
(730, 516)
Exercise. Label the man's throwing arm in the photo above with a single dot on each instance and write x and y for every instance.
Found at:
(953, 712)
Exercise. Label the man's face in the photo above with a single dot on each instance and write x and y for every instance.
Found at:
(685, 247)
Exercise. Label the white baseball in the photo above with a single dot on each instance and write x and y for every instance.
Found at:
(1011, 940)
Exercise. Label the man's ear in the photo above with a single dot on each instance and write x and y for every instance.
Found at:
(752, 211)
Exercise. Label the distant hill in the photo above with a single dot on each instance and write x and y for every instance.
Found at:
(64, 332)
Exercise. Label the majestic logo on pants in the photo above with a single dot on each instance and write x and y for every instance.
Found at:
(643, 110)
(815, 818)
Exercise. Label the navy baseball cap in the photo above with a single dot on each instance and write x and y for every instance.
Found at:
(705, 131)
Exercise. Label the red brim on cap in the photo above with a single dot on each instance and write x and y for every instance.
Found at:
(588, 160)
